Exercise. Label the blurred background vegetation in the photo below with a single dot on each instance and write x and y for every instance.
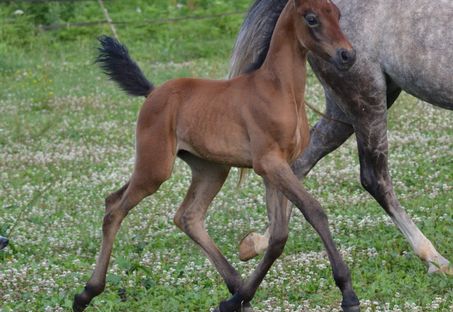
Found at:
(47, 48)
(173, 30)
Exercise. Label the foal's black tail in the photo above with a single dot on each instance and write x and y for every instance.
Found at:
(114, 59)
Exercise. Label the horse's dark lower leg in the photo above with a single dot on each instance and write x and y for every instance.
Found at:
(315, 215)
(280, 175)
(118, 205)
(207, 180)
(151, 170)
(326, 136)
(278, 233)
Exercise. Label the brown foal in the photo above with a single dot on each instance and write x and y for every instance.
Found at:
(254, 121)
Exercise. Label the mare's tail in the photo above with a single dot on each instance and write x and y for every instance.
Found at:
(114, 59)
(254, 38)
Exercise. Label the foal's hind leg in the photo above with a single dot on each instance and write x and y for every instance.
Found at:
(207, 179)
(152, 168)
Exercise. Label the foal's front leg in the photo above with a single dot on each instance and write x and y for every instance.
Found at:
(278, 234)
(326, 136)
(278, 173)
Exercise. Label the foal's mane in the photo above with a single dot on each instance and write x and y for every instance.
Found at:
(252, 44)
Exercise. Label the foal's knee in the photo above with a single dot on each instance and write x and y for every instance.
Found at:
(113, 217)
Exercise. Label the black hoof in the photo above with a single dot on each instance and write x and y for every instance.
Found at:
(3, 242)
(247, 307)
(80, 303)
(234, 304)
(355, 308)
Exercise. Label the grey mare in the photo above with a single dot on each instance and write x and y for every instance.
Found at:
(401, 45)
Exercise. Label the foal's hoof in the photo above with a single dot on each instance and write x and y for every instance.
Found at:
(248, 246)
(246, 307)
(234, 304)
(351, 308)
(80, 303)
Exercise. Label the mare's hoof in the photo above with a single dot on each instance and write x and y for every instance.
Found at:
(247, 249)
(351, 308)
(445, 269)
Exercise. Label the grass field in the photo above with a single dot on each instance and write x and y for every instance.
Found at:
(67, 141)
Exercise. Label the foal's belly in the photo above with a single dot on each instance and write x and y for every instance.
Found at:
(230, 158)
(222, 145)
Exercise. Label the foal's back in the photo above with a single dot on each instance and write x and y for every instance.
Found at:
(214, 119)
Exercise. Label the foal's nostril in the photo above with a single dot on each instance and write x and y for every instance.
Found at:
(346, 56)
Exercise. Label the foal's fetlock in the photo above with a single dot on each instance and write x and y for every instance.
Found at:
(82, 300)
(231, 305)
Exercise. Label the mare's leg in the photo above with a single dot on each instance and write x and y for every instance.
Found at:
(279, 176)
(152, 168)
(375, 178)
(207, 180)
(325, 137)
(364, 94)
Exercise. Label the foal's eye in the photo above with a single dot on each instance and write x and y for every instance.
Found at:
(311, 20)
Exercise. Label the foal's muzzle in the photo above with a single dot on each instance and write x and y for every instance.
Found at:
(344, 59)
(3, 242)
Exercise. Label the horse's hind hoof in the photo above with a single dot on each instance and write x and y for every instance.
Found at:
(247, 307)
(3, 242)
(80, 303)
(351, 308)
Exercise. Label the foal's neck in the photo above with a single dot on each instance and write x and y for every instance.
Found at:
(286, 59)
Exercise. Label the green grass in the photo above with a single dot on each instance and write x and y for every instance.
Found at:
(67, 141)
